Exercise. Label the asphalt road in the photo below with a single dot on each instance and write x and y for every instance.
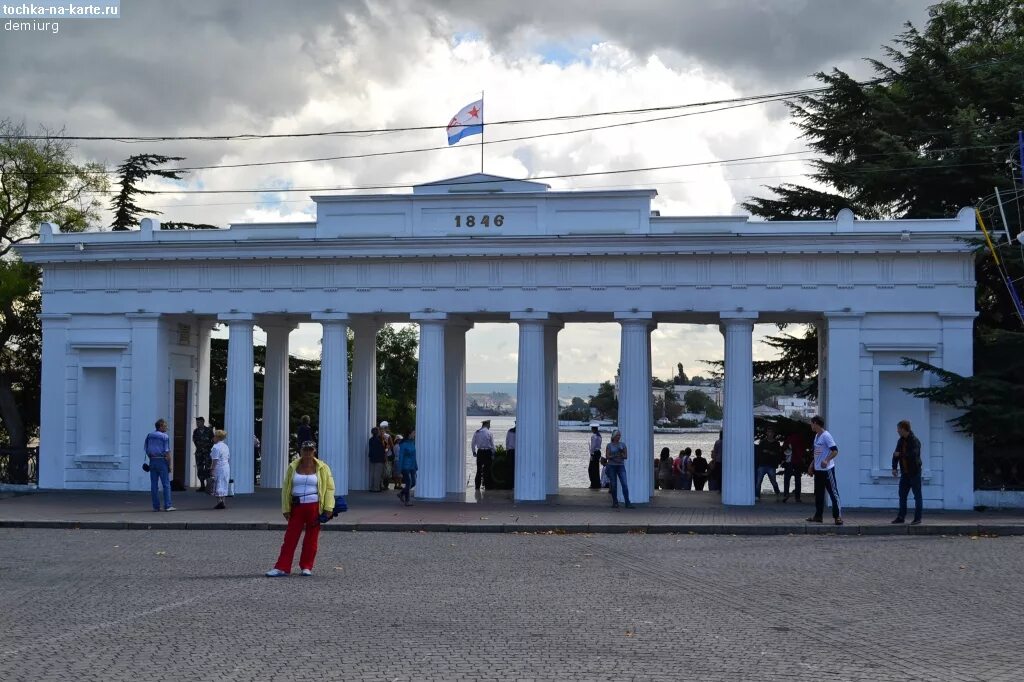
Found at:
(172, 605)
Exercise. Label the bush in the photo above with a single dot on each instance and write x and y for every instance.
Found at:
(502, 469)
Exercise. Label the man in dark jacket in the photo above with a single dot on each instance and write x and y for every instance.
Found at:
(378, 455)
(906, 463)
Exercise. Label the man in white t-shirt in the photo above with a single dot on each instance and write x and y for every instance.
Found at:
(823, 468)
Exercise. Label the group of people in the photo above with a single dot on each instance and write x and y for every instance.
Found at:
(392, 461)
(213, 462)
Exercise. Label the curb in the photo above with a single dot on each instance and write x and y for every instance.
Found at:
(525, 528)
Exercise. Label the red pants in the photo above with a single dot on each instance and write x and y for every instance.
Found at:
(303, 516)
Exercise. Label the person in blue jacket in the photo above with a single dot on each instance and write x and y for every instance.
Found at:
(407, 466)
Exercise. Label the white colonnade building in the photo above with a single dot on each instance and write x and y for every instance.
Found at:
(127, 318)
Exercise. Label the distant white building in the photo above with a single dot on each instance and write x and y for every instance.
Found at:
(791, 404)
(713, 392)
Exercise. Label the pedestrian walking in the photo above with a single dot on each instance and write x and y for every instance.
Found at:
(823, 468)
(158, 450)
(377, 455)
(202, 441)
(307, 500)
(906, 463)
(407, 466)
(304, 434)
(483, 450)
(616, 454)
(221, 458)
(594, 467)
(510, 452)
(383, 430)
(793, 450)
(768, 456)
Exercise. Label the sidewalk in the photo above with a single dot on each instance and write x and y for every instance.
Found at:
(572, 511)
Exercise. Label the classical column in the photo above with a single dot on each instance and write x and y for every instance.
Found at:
(53, 407)
(238, 411)
(334, 426)
(274, 443)
(150, 389)
(202, 388)
(531, 391)
(957, 449)
(738, 409)
(455, 402)
(842, 399)
(431, 425)
(636, 411)
(363, 408)
(551, 330)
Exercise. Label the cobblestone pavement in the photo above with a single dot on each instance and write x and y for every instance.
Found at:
(172, 605)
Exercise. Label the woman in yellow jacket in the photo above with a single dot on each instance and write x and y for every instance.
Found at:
(307, 495)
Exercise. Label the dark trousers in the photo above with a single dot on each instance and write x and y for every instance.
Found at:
(203, 468)
(794, 472)
(699, 481)
(616, 475)
(409, 479)
(483, 468)
(910, 482)
(825, 481)
(594, 469)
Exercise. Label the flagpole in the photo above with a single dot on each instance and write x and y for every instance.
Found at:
(482, 125)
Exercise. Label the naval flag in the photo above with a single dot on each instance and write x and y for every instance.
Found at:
(469, 121)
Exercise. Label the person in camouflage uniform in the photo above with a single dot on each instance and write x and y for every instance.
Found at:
(202, 438)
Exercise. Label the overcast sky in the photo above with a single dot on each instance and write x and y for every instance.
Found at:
(173, 67)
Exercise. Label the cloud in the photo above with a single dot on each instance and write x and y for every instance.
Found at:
(180, 67)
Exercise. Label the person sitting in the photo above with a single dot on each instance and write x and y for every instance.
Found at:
(700, 470)
(682, 469)
(665, 481)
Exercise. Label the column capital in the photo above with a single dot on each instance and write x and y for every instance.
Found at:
(843, 319)
(236, 317)
(268, 323)
(958, 320)
(330, 316)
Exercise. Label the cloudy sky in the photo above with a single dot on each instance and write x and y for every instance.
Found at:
(173, 67)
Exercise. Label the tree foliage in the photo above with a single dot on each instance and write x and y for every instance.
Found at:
(133, 171)
(396, 381)
(934, 132)
(605, 402)
(38, 182)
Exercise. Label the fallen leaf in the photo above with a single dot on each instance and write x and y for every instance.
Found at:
(339, 568)
(165, 553)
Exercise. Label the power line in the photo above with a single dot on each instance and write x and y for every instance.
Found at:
(278, 190)
(753, 99)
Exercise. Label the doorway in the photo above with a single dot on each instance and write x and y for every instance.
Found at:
(180, 429)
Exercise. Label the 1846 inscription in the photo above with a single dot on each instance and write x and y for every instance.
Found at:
(479, 221)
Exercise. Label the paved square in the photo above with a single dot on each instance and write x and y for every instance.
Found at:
(172, 605)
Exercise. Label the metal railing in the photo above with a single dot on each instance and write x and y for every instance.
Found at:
(19, 466)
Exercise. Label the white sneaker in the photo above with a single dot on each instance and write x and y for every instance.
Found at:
(172, 508)
(306, 572)
(276, 573)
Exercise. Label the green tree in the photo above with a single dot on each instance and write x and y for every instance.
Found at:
(397, 371)
(936, 131)
(699, 401)
(578, 411)
(38, 182)
(605, 402)
(133, 171)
